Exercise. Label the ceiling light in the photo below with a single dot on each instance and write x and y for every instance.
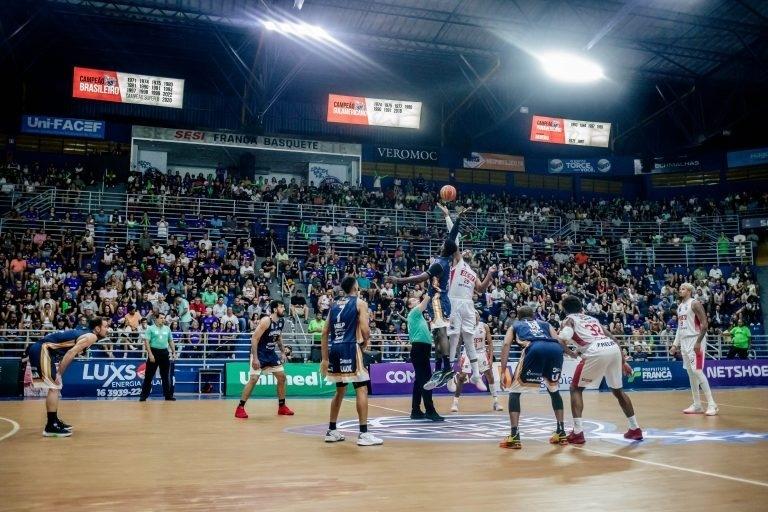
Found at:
(567, 67)
(303, 30)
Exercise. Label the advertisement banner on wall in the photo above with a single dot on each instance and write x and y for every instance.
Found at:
(107, 379)
(120, 87)
(63, 126)
(373, 111)
(244, 140)
(304, 379)
(573, 132)
(495, 161)
(333, 175)
(580, 166)
(402, 154)
(662, 374)
(737, 372)
(11, 384)
(748, 157)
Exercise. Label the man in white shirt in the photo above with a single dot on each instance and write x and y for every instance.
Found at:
(352, 231)
(205, 244)
(715, 273)
(229, 317)
(219, 309)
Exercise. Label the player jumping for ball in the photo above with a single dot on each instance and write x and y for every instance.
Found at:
(484, 348)
(540, 361)
(267, 337)
(439, 276)
(600, 357)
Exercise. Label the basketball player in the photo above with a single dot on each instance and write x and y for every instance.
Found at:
(691, 341)
(43, 355)
(438, 274)
(484, 347)
(600, 357)
(267, 337)
(345, 335)
(540, 361)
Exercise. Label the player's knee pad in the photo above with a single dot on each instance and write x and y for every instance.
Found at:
(514, 402)
(557, 400)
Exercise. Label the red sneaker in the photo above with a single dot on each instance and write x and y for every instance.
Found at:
(240, 412)
(574, 438)
(283, 410)
(634, 434)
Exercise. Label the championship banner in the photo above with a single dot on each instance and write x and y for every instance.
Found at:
(495, 161)
(556, 130)
(304, 379)
(244, 140)
(105, 378)
(737, 372)
(374, 111)
(327, 174)
(747, 158)
(120, 87)
(64, 126)
(579, 166)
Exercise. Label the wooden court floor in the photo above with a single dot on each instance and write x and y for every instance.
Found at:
(193, 455)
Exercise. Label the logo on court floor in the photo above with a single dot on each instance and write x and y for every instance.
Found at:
(490, 427)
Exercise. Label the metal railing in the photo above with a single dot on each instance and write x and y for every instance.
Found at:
(211, 348)
(688, 254)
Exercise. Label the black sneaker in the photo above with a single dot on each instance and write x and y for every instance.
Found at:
(171, 399)
(433, 416)
(56, 430)
(64, 425)
(143, 399)
(432, 382)
(447, 376)
(418, 415)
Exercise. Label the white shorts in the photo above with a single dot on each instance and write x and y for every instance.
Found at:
(595, 365)
(482, 361)
(463, 317)
(266, 370)
(691, 359)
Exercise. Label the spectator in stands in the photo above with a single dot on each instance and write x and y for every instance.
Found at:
(740, 341)
(316, 326)
(299, 306)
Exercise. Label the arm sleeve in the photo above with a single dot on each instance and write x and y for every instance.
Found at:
(449, 223)
(453, 232)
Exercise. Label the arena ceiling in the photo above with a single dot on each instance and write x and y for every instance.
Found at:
(695, 60)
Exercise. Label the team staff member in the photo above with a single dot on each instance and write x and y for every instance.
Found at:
(741, 335)
(157, 340)
(421, 346)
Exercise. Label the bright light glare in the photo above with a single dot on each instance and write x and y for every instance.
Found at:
(567, 67)
(297, 29)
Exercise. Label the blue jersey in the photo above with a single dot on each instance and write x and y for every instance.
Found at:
(440, 269)
(267, 344)
(63, 336)
(532, 330)
(343, 320)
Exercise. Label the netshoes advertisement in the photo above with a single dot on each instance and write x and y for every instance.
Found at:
(303, 379)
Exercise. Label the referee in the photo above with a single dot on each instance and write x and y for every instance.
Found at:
(157, 339)
(421, 347)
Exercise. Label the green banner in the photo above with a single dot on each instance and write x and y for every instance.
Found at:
(304, 379)
(10, 384)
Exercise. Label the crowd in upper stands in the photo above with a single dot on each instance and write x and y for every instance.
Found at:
(214, 288)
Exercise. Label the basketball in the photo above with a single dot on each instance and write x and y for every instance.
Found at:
(448, 193)
(506, 379)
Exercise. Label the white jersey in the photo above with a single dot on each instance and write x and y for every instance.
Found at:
(588, 334)
(479, 338)
(461, 285)
(688, 326)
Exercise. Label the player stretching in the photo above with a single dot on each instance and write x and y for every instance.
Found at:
(540, 361)
(439, 274)
(600, 357)
(691, 340)
(267, 337)
(348, 332)
(43, 354)
(484, 347)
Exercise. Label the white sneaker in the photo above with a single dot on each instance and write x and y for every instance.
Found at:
(497, 406)
(451, 384)
(477, 380)
(712, 410)
(693, 409)
(368, 439)
(334, 436)
(455, 406)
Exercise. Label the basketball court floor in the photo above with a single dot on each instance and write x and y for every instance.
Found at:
(194, 455)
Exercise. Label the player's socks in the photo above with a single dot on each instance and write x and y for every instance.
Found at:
(578, 425)
(51, 419)
(455, 406)
(242, 403)
(513, 431)
(363, 428)
(694, 389)
(280, 402)
(332, 425)
(438, 364)
(633, 424)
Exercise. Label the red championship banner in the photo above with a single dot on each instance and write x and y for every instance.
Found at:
(373, 111)
(119, 87)
(556, 130)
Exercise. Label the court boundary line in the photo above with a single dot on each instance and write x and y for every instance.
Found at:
(743, 406)
(15, 429)
(633, 459)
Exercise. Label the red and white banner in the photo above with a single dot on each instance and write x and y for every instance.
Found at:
(374, 111)
(556, 130)
(119, 87)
